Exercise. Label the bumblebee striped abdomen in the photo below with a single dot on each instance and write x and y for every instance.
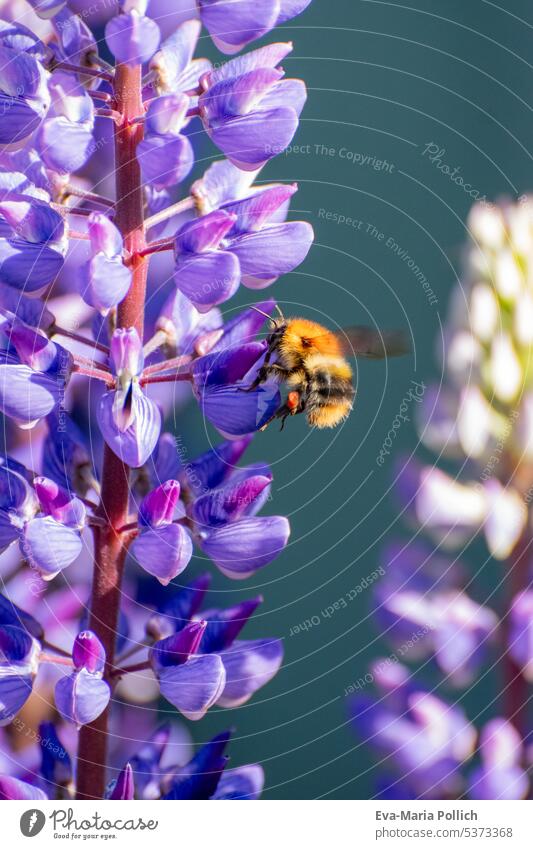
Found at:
(329, 391)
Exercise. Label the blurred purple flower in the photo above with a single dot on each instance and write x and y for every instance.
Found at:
(501, 775)
(423, 738)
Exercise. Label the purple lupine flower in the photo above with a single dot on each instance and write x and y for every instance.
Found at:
(482, 417)
(32, 311)
(175, 612)
(124, 787)
(228, 529)
(131, 36)
(248, 110)
(234, 669)
(146, 764)
(51, 540)
(223, 501)
(13, 788)
(45, 520)
(47, 8)
(221, 183)
(219, 379)
(66, 458)
(130, 422)
(197, 655)
(461, 633)
(501, 775)
(422, 605)
(65, 138)
(32, 241)
(56, 766)
(75, 41)
(238, 243)
(19, 661)
(212, 468)
(421, 736)
(203, 777)
(166, 156)
(104, 280)
(244, 782)
(184, 326)
(234, 25)
(191, 682)
(264, 244)
(23, 171)
(173, 66)
(199, 779)
(163, 548)
(18, 37)
(452, 511)
(18, 503)
(83, 695)
(247, 664)
(24, 96)
(206, 272)
(11, 614)
(243, 327)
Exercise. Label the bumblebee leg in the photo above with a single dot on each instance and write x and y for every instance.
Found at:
(266, 371)
(281, 413)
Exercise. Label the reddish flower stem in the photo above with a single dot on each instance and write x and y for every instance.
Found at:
(165, 378)
(52, 658)
(175, 209)
(77, 337)
(80, 69)
(95, 373)
(157, 247)
(110, 544)
(167, 365)
(118, 672)
(87, 196)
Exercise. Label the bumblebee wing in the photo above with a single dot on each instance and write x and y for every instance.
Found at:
(370, 342)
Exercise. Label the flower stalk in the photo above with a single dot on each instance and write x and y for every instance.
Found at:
(110, 544)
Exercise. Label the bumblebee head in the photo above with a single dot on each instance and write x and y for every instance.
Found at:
(277, 325)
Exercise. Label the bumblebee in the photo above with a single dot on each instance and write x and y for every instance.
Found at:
(311, 361)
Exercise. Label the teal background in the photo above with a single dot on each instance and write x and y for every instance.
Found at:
(385, 80)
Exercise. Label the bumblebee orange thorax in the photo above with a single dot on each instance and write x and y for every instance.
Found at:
(303, 338)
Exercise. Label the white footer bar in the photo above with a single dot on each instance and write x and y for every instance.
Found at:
(269, 825)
